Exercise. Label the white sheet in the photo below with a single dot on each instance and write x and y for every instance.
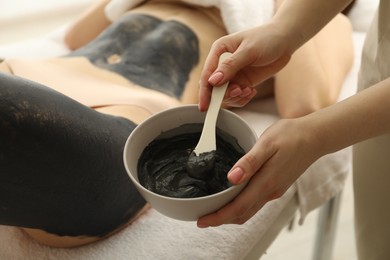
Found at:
(153, 236)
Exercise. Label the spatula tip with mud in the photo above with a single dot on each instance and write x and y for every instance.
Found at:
(201, 161)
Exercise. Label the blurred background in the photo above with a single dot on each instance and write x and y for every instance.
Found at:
(23, 20)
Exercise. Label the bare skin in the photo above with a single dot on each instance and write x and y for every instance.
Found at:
(310, 81)
(326, 71)
(316, 70)
(113, 94)
(277, 159)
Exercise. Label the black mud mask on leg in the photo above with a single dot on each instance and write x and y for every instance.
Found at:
(61, 166)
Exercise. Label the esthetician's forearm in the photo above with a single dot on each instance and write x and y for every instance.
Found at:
(306, 17)
(360, 117)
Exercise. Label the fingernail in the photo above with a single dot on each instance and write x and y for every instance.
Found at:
(235, 92)
(200, 225)
(215, 78)
(246, 92)
(235, 175)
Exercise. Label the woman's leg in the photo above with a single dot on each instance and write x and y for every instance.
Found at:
(314, 76)
(61, 164)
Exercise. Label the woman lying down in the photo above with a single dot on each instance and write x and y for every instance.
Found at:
(64, 120)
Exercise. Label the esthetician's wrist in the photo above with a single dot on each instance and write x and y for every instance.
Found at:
(287, 34)
(314, 137)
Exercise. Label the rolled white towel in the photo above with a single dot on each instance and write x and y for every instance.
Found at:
(237, 15)
(116, 8)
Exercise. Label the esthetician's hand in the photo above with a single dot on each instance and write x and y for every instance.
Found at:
(257, 54)
(287, 148)
(278, 158)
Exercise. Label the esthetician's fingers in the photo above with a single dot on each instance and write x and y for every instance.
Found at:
(246, 67)
(254, 198)
(239, 97)
(275, 162)
(215, 74)
(211, 64)
(250, 199)
(246, 204)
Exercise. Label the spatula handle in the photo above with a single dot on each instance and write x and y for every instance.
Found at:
(207, 141)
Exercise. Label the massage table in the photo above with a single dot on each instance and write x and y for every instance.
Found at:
(155, 236)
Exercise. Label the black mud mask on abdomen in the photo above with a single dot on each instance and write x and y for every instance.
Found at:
(149, 52)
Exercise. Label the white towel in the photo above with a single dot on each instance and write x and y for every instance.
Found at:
(237, 15)
(154, 236)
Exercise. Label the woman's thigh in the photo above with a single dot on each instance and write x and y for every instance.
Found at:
(61, 163)
(315, 75)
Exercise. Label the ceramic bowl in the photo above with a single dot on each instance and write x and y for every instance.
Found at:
(187, 209)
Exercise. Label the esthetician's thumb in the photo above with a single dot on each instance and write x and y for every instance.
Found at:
(249, 164)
